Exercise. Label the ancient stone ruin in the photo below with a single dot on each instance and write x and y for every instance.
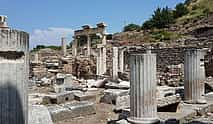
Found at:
(99, 80)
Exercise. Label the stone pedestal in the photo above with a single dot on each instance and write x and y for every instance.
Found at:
(115, 63)
(14, 65)
(143, 103)
(194, 76)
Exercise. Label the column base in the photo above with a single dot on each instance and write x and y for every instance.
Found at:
(199, 101)
(133, 120)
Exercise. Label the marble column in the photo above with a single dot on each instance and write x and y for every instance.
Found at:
(194, 76)
(64, 46)
(121, 60)
(101, 61)
(98, 63)
(115, 63)
(88, 45)
(104, 60)
(143, 102)
(103, 38)
(74, 47)
(36, 58)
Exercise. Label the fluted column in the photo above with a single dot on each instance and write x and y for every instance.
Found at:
(143, 103)
(194, 76)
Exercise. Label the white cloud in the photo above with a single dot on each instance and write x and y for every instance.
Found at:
(50, 36)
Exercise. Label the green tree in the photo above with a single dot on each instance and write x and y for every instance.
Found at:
(162, 17)
(147, 24)
(180, 10)
(188, 2)
(131, 27)
(40, 47)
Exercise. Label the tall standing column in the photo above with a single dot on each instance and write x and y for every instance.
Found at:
(36, 58)
(194, 76)
(101, 61)
(121, 60)
(98, 63)
(143, 103)
(115, 63)
(14, 65)
(64, 46)
(104, 61)
(74, 46)
(88, 45)
(103, 38)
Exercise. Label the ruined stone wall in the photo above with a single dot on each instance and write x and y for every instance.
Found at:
(84, 67)
(169, 56)
(14, 65)
(165, 56)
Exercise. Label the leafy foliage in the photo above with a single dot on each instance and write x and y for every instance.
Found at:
(180, 10)
(38, 47)
(163, 35)
(160, 19)
(197, 9)
(132, 27)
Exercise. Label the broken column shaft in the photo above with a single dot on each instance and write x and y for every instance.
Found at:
(143, 103)
(194, 76)
(14, 64)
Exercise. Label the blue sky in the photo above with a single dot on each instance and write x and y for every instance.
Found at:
(48, 20)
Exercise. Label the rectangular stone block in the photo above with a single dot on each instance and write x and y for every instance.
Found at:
(111, 95)
(81, 96)
(58, 98)
(39, 114)
(71, 110)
